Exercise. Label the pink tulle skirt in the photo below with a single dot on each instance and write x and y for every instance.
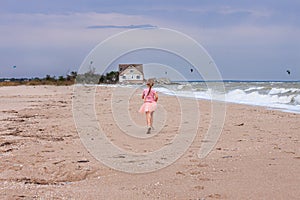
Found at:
(148, 107)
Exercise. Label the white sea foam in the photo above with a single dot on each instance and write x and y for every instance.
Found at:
(268, 95)
(253, 88)
(283, 90)
(297, 100)
(281, 96)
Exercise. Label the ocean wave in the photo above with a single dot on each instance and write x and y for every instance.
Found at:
(287, 99)
(258, 99)
(276, 95)
(253, 89)
(283, 90)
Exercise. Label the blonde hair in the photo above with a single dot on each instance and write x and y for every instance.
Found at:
(150, 82)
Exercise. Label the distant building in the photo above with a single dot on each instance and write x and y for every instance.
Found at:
(131, 73)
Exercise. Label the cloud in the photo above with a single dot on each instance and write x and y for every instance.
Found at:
(42, 44)
(236, 34)
(121, 27)
(60, 30)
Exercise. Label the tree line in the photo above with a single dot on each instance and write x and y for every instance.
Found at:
(73, 77)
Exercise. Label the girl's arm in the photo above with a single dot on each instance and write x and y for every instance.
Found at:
(155, 96)
(143, 95)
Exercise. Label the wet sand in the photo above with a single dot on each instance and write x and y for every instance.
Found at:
(42, 156)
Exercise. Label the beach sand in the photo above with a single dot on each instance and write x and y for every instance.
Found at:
(42, 156)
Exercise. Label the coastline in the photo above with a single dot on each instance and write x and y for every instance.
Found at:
(257, 155)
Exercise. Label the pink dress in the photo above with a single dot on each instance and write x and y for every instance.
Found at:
(149, 104)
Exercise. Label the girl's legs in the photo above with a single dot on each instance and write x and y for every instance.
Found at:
(151, 119)
(148, 118)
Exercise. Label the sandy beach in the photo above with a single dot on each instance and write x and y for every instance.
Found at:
(42, 156)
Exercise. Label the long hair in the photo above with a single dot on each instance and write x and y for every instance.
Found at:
(150, 83)
(149, 90)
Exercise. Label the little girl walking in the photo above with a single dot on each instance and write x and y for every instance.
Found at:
(150, 98)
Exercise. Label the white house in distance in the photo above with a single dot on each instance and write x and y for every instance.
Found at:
(131, 73)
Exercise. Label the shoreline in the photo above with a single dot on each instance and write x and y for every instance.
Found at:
(281, 109)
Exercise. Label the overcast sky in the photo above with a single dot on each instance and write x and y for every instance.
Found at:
(248, 40)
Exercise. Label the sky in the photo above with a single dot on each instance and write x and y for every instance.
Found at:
(248, 40)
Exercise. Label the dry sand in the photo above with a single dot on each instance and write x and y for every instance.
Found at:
(42, 157)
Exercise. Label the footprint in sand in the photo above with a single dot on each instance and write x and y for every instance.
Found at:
(199, 187)
(216, 196)
(289, 152)
(193, 173)
(180, 173)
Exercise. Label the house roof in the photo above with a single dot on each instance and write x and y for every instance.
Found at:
(123, 67)
(130, 68)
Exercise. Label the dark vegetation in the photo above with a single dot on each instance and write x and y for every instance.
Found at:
(88, 78)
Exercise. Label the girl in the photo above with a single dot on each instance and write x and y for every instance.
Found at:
(150, 98)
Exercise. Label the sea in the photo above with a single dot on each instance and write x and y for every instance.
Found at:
(277, 95)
